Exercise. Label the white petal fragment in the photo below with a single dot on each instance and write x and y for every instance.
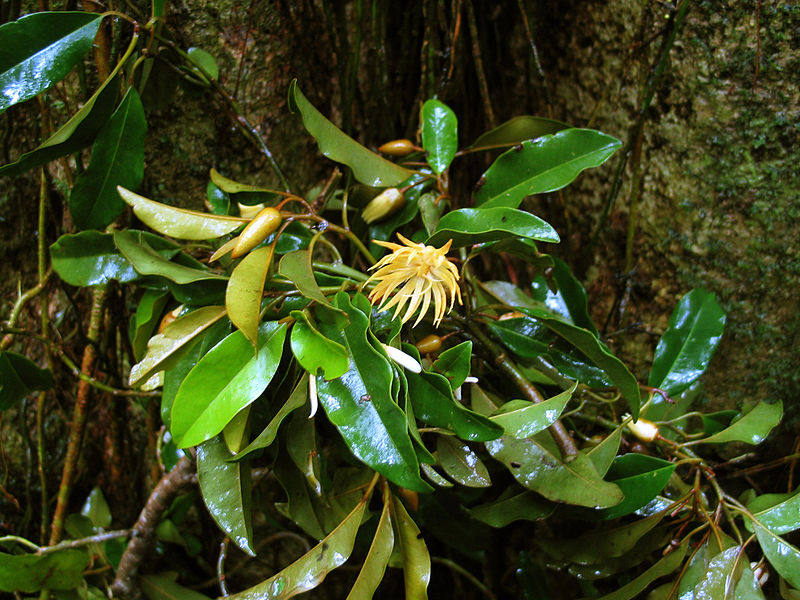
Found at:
(404, 360)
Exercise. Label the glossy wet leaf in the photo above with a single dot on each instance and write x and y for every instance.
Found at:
(454, 364)
(504, 511)
(302, 505)
(179, 222)
(524, 336)
(90, 258)
(204, 61)
(147, 317)
(467, 226)
(19, 376)
(77, 133)
(662, 567)
(783, 556)
(165, 587)
(434, 476)
(30, 573)
(227, 379)
(296, 267)
(439, 134)
(165, 345)
(96, 509)
(431, 208)
(245, 288)
(640, 477)
(368, 167)
(298, 398)
(117, 160)
(543, 165)
(40, 49)
(377, 557)
(519, 129)
(432, 400)
(461, 463)
(147, 261)
(529, 418)
(753, 427)
(570, 300)
(416, 560)
(314, 351)
(716, 422)
(360, 403)
(225, 488)
(780, 513)
(728, 575)
(534, 464)
(685, 349)
(310, 570)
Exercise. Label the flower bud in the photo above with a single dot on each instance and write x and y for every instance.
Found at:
(257, 231)
(401, 358)
(398, 148)
(388, 202)
(644, 430)
(169, 318)
(428, 344)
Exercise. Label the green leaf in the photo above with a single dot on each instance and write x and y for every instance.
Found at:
(360, 403)
(727, 576)
(462, 464)
(454, 364)
(416, 560)
(228, 378)
(117, 160)
(524, 336)
(90, 258)
(298, 398)
(179, 222)
(296, 267)
(432, 400)
(310, 570)
(30, 573)
(377, 557)
(164, 587)
(570, 299)
(368, 167)
(225, 487)
(543, 165)
(518, 129)
(663, 567)
(780, 513)
(439, 134)
(528, 418)
(467, 226)
(144, 322)
(165, 345)
(38, 51)
(77, 133)
(783, 556)
(204, 61)
(602, 455)
(504, 511)
(314, 351)
(96, 509)
(245, 288)
(640, 477)
(431, 210)
(19, 377)
(144, 258)
(752, 428)
(685, 349)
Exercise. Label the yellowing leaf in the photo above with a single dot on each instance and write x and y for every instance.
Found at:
(179, 222)
(245, 287)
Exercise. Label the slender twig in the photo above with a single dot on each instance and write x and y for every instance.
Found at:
(677, 19)
(536, 61)
(79, 415)
(23, 299)
(44, 320)
(223, 552)
(144, 530)
(454, 566)
(94, 539)
(483, 86)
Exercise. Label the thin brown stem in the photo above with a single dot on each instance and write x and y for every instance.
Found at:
(479, 71)
(79, 415)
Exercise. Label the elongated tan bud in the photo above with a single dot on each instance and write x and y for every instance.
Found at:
(398, 148)
(644, 430)
(430, 343)
(385, 204)
(257, 231)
